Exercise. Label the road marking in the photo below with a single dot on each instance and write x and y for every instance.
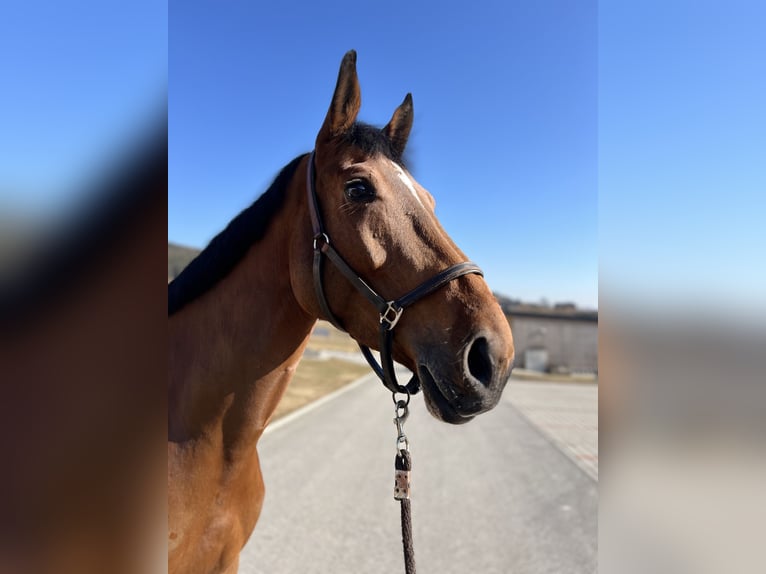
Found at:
(279, 423)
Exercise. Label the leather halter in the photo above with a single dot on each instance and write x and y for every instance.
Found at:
(390, 311)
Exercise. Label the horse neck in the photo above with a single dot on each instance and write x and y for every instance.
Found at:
(234, 349)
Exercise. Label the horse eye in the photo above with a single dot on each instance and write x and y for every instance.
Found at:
(359, 190)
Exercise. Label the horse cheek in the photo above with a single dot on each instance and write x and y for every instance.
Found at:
(376, 251)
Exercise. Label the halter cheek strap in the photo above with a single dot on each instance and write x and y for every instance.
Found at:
(390, 311)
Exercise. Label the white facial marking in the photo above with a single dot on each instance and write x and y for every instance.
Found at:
(407, 182)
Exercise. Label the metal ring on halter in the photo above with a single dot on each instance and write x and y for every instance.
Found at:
(404, 392)
(323, 236)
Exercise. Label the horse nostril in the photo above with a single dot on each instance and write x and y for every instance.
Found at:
(479, 361)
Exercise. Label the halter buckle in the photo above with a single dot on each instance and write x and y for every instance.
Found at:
(391, 315)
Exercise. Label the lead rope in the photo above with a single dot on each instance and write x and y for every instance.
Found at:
(402, 468)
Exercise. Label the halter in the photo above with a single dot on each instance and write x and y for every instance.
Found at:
(390, 311)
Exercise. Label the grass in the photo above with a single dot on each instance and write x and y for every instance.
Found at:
(315, 378)
(327, 338)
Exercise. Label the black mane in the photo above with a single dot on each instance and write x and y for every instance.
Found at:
(228, 247)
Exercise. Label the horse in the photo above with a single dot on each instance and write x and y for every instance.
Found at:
(241, 313)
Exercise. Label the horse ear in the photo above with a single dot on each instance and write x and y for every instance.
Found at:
(346, 100)
(398, 129)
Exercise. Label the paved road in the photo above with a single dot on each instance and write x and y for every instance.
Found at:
(495, 496)
(566, 413)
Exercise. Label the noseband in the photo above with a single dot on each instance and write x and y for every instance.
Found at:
(390, 311)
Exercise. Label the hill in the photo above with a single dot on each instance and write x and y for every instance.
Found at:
(179, 257)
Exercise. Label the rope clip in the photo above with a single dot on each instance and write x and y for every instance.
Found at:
(402, 412)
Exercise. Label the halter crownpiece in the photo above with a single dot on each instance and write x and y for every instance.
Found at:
(390, 311)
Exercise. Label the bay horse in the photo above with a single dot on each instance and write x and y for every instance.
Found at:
(241, 314)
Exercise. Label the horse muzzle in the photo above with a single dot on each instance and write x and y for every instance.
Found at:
(457, 391)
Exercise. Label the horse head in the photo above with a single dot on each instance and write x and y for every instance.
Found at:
(381, 222)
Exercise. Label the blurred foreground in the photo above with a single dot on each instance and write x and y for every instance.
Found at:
(683, 420)
(83, 368)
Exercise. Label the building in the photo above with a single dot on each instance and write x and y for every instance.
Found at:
(554, 339)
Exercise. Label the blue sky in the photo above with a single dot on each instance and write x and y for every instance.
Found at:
(505, 132)
(682, 161)
(79, 80)
(543, 128)
(554, 136)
